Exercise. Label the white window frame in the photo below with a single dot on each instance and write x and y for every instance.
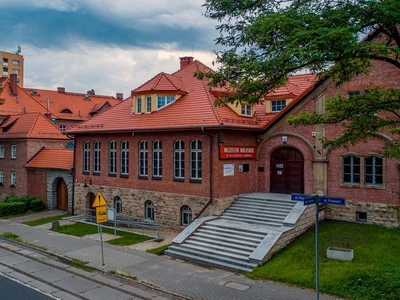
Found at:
(96, 157)
(16, 62)
(13, 151)
(13, 179)
(186, 215)
(149, 210)
(278, 105)
(148, 104)
(157, 159)
(143, 159)
(1, 177)
(15, 71)
(63, 127)
(124, 158)
(86, 157)
(247, 110)
(164, 100)
(139, 105)
(179, 160)
(1, 151)
(112, 157)
(196, 160)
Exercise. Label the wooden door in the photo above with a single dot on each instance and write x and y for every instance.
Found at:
(62, 195)
(287, 171)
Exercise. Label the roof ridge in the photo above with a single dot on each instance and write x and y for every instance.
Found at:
(30, 96)
(177, 77)
(33, 125)
(152, 78)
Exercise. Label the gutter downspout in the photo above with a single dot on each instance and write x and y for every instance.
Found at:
(73, 176)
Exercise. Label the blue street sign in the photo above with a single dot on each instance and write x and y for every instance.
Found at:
(309, 200)
(299, 197)
(332, 200)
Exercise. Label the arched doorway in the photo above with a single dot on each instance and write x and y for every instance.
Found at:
(287, 171)
(90, 197)
(62, 195)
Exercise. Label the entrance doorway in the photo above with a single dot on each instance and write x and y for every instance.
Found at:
(287, 171)
(90, 197)
(62, 195)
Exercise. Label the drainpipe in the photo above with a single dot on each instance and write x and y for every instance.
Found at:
(73, 176)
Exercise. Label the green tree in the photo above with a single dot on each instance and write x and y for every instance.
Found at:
(265, 41)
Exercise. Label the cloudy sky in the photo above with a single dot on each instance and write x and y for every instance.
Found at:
(106, 45)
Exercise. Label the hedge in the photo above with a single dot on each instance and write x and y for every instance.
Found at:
(36, 204)
(14, 205)
(15, 208)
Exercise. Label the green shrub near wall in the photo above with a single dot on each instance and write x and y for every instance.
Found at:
(27, 200)
(14, 205)
(36, 204)
(15, 208)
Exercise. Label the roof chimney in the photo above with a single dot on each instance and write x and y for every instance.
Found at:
(47, 115)
(91, 92)
(120, 96)
(61, 90)
(13, 84)
(185, 61)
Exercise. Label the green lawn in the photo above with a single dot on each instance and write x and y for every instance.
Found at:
(373, 274)
(45, 220)
(82, 229)
(158, 250)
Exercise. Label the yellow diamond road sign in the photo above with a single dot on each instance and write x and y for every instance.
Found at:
(101, 214)
(99, 201)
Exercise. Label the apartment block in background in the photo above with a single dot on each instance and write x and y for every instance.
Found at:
(12, 63)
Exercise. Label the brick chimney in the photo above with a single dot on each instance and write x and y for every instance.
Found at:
(13, 84)
(47, 115)
(120, 96)
(91, 92)
(185, 61)
(61, 90)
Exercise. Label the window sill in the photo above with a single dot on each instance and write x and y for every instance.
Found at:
(156, 178)
(112, 175)
(143, 177)
(13, 186)
(179, 179)
(124, 176)
(86, 173)
(96, 174)
(195, 180)
(363, 186)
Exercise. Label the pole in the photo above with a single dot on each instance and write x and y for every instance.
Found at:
(115, 222)
(316, 247)
(101, 242)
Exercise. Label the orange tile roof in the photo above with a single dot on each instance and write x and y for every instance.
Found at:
(81, 106)
(193, 110)
(295, 86)
(52, 159)
(30, 125)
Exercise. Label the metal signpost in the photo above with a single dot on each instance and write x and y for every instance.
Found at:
(310, 199)
(101, 216)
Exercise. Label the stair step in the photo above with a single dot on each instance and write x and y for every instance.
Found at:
(245, 198)
(222, 235)
(218, 228)
(210, 261)
(234, 244)
(267, 223)
(212, 247)
(254, 216)
(277, 211)
(265, 203)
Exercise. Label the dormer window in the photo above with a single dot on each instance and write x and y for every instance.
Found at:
(164, 100)
(139, 105)
(247, 110)
(278, 105)
(66, 111)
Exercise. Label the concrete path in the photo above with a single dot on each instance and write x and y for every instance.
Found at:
(160, 272)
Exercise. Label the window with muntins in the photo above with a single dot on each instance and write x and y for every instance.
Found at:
(63, 127)
(124, 158)
(139, 105)
(164, 100)
(351, 169)
(96, 157)
(157, 159)
(179, 160)
(148, 104)
(278, 105)
(86, 157)
(186, 215)
(143, 159)
(1, 151)
(14, 151)
(149, 210)
(195, 160)
(16, 62)
(118, 205)
(112, 158)
(373, 172)
(13, 179)
(1, 177)
(247, 110)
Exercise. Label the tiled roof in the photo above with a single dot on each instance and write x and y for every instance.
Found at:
(52, 159)
(193, 110)
(295, 86)
(81, 105)
(30, 125)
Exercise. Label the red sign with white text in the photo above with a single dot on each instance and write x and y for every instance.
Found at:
(229, 152)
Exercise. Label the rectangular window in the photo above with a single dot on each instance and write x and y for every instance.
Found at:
(13, 151)
(157, 159)
(86, 157)
(5, 71)
(179, 160)
(124, 158)
(1, 151)
(13, 179)
(96, 157)
(247, 110)
(164, 100)
(351, 169)
(139, 105)
(373, 170)
(278, 105)
(1, 177)
(195, 160)
(15, 71)
(112, 158)
(63, 127)
(16, 62)
(143, 159)
(148, 104)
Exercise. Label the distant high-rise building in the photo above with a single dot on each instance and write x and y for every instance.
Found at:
(12, 63)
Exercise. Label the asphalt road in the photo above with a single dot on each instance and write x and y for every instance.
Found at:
(13, 290)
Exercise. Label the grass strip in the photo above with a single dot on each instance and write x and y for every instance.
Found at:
(158, 251)
(46, 220)
(14, 237)
(80, 264)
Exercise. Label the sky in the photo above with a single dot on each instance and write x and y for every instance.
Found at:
(107, 45)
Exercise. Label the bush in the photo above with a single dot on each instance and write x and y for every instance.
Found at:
(15, 208)
(36, 204)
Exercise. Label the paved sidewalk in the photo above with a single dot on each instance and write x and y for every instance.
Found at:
(159, 271)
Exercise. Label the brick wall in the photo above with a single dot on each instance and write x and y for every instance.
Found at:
(37, 183)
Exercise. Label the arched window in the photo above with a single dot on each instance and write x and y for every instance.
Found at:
(112, 158)
(179, 160)
(149, 210)
(118, 205)
(195, 160)
(186, 215)
(351, 169)
(86, 157)
(96, 157)
(124, 158)
(143, 157)
(157, 159)
(373, 170)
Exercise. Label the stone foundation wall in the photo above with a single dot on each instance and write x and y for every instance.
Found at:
(377, 213)
(167, 206)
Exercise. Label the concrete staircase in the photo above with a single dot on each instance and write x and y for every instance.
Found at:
(229, 241)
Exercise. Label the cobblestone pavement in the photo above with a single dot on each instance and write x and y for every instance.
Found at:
(161, 272)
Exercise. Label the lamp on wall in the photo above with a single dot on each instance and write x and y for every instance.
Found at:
(90, 182)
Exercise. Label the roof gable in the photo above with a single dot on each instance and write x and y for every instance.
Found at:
(162, 83)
